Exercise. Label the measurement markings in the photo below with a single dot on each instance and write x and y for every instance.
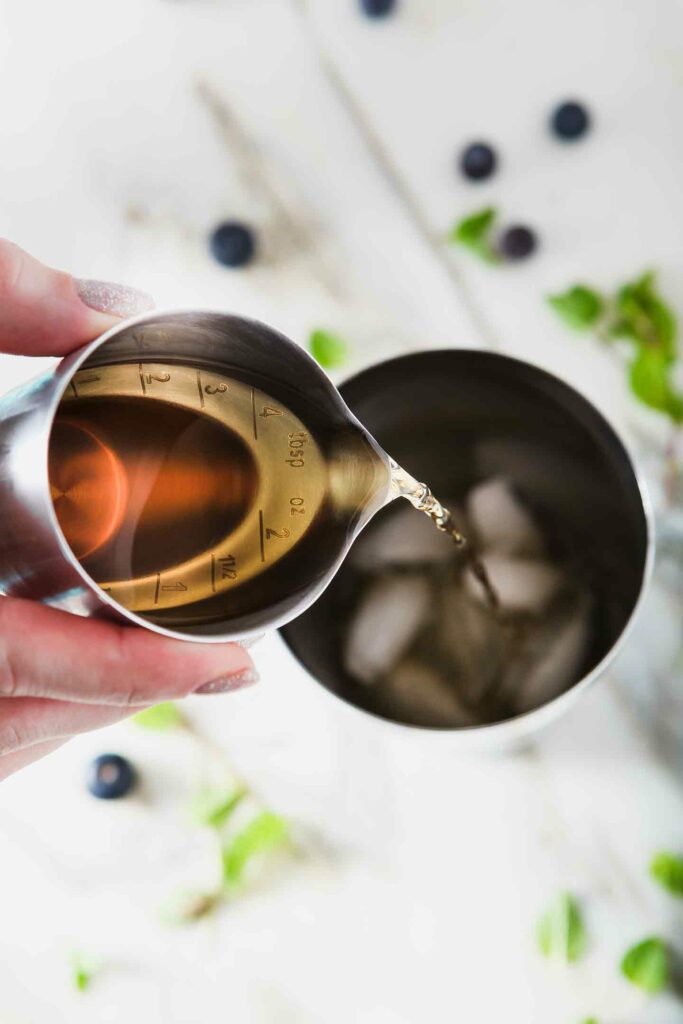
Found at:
(142, 383)
(260, 526)
(156, 591)
(213, 573)
(199, 389)
(253, 416)
(72, 385)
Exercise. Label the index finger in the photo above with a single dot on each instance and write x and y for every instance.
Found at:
(49, 312)
(45, 652)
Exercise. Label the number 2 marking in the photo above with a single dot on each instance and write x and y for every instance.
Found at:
(281, 535)
(162, 378)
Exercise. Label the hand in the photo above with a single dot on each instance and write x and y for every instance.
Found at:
(62, 674)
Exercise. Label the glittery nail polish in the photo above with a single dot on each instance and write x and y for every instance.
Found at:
(228, 683)
(113, 299)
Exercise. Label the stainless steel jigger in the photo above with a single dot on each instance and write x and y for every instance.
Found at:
(35, 559)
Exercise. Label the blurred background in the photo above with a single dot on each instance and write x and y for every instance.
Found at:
(415, 878)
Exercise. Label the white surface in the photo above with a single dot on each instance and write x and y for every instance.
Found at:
(337, 140)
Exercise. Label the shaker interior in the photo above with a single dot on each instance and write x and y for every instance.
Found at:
(454, 418)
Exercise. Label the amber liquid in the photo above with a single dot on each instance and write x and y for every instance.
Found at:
(139, 487)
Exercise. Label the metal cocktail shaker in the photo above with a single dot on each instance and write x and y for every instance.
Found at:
(455, 417)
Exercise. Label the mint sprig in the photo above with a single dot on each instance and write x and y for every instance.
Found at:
(328, 349)
(263, 835)
(254, 834)
(83, 970)
(580, 306)
(561, 932)
(474, 233)
(640, 316)
(647, 965)
(643, 316)
(213, 807)
(160, 718)
(667, 869)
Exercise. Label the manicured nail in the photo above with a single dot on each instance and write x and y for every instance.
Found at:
(226, 684)
(113, 299)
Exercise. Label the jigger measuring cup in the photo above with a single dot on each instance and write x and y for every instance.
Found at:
(304, 452)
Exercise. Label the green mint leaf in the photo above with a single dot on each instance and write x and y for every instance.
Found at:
(327, 349)
(213, 807)
(644, 317)
(161, 717)
(647, 965)
(187, 906)
(590, 1020)
(83, 970)
(650, 379)
(580, 307)
(474, 233)
(266, 832)
(81, 979)
(561, 932)
(667, 869)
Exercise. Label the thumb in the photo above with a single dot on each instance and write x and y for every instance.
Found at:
(49, 312)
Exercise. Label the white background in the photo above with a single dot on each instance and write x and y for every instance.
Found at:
(128, 130)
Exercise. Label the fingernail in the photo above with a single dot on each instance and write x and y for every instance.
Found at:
(113, 299)
(226, 684)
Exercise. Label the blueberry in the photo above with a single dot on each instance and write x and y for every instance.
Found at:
(377, 8)
(478, 161)
(110, 776)
(570, 120)
(232, 244)
(517, 243)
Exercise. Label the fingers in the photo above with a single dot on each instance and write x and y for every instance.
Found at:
(48, 312)
(13, 762)
(26, 721)
(49, 653)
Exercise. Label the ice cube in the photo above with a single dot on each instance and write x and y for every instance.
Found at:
(522, 585)
(469, 640)
(416, 693)
(500, 521)
(405, 537)
(389, 615)
(552, 660)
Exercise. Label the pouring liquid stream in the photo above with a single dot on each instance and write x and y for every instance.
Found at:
(420, 497)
